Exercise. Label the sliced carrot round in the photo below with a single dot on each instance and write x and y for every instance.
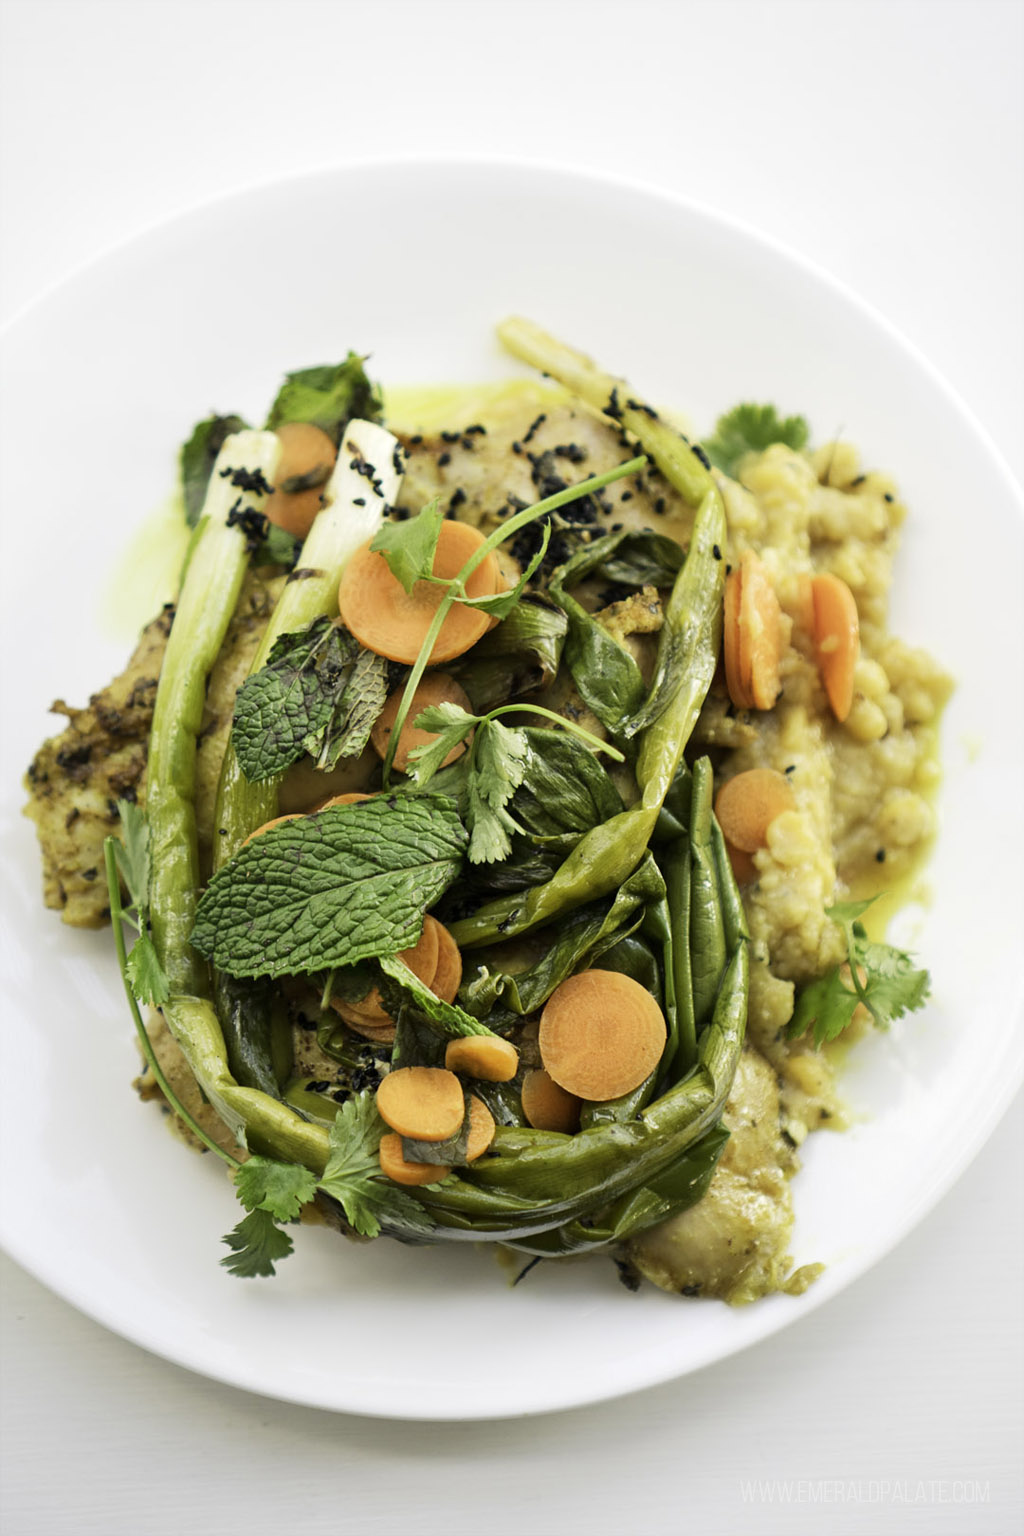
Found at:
(836, 639)
(425, 1103)
(731, 641)
(747, 804)
(486, 1057)
(447, 979)
(421, 958)
(278, 821)
(376, 1034)
(481, 1128)
(352, 798)
(548, 1107)
(760, 641)
(307, 454)
(394, 1164)
(601, 1034)
(436, 688)
(743, 866)
(385, 618)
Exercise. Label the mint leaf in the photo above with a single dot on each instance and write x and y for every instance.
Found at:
(409, 547)
(328, 396)
(353, 1177)
(403, 987)
(319, 692)
(332, 888)
(197, 458)
(264, 1183)
(751, 429)
(258, 1243)
(499, 762)
(880, 976)
(355, 713)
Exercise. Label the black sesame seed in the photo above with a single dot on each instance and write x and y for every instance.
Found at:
(716, 551)
(443, 459)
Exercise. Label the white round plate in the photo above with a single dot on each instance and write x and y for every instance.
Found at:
(415, 263)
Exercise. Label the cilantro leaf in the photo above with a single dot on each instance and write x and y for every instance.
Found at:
(750, 429)
(264, 1183)
(328, 396)
(145, 974)
(346, 884)
(132, 852)
(353, 1177)
(880, 976)
(452, 724)
(257, 1244)
(319, 692)
(409, 547)
(500, 758)
(500, 604)
(143, 971)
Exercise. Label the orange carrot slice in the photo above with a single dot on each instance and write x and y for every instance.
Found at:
(743, 866)
(436, 688)
(601, 1034)
(760, 640)
(731, 641)
(747, 804)
(421, 959)
(481, 1129)
(352, 798)
(486, 1057)
(447, 978)
(548, 1107)
(836, 639)
(424, 1103)
(393, 1163)
(385, 618)
(306, 452)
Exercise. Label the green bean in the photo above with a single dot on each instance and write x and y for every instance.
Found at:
(707, 930)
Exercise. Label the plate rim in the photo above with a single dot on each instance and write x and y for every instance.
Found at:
(969, 1146)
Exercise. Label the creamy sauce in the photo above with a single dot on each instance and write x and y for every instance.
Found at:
(146, 574)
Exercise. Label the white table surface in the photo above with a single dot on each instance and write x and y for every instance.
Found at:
(886, 142)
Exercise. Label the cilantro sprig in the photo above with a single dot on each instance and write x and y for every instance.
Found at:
(409, 549)
(272, 1191)
(751, 428)
(493, 767)
(131, 856)
(880, 976)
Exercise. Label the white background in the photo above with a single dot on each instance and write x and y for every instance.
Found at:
(886, 142)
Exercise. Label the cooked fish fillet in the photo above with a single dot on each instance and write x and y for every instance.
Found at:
(76, 779)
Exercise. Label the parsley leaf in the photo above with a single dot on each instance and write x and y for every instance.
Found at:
(257, 1244)
(880, 976)
(143, 971)
(330, 889)
(319, 692)
(750, 429)
(353, 1176)
(409, 547)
